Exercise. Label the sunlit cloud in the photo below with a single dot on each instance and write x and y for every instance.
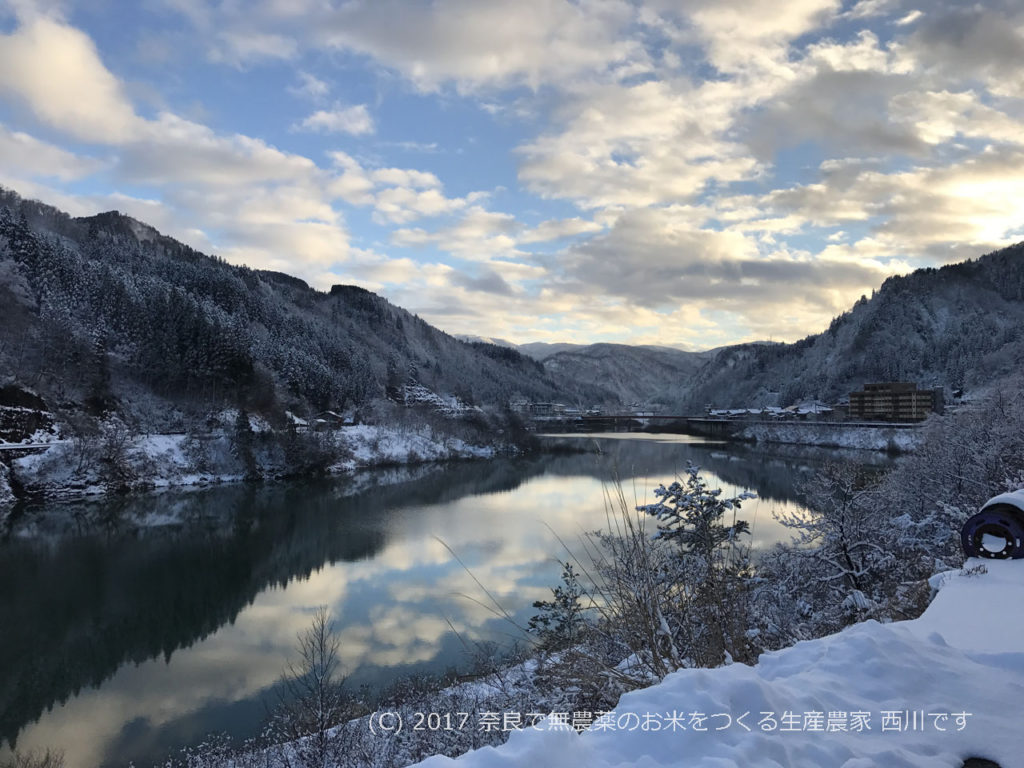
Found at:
(683, 173)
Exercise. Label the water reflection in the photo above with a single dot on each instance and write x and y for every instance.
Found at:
(123, 641)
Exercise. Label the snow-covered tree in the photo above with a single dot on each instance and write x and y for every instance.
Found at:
(559, 621)
(710, 564)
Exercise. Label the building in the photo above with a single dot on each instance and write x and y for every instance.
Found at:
(894, 401)
(546, 409)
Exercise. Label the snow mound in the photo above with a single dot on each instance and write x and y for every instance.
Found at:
(879, 438)
(373, 445)
(922, 693)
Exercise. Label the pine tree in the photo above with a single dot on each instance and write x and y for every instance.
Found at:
(712, 567)
(560, 621)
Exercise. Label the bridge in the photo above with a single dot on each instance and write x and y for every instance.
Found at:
(702, 426)
(689, 425)
(11, 451)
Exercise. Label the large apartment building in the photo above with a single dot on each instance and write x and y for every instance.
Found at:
(894, 401)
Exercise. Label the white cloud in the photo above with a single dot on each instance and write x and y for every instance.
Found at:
(486, 42)
(354, 120)
(172, 149)
(910, 18)
(648, 116)
(745, 21)
(664, 258)
(922, 212)
(310, 87)
(56, 70)
(234, 193)
(636, 145)
(742, 34)
(353, 184)
(479, 235)
(864, 9)
(405, 195)
(398, 195)
(404, 177)
(24, 154)
(238, 47)
(939, 116)
(400, 205)
(555, 229)
(864, 53)
(493, 237)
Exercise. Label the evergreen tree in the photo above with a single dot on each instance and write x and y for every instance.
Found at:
(560, 621)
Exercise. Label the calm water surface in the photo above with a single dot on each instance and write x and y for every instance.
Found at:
(129, 628)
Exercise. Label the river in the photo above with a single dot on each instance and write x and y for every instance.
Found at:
(130, 627)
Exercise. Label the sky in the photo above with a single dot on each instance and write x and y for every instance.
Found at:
(688, 173)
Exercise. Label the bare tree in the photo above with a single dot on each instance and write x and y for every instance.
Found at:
(45, 759)
(312, 700)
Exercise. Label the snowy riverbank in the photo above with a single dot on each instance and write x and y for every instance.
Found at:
(824, 435)
(72, 469)
(923, 693)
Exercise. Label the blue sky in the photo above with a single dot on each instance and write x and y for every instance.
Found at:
(682, 172)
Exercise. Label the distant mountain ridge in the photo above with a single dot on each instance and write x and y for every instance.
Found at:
(623, 373)
(959, 327)
(645, 375)
(104, 312)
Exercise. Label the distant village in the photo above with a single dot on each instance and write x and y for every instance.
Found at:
(25, 419)
(890, 402)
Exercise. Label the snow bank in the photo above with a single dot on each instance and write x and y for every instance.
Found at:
(834, 436)
(922, 693)
(371, 445)
(71, 469)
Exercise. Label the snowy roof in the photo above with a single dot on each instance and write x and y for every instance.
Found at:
(910, 679)
(297, 420)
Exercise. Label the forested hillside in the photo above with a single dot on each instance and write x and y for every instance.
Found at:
(960, 327)
(104, 314)
(644, 375)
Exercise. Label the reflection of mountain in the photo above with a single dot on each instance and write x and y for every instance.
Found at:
(75, 609)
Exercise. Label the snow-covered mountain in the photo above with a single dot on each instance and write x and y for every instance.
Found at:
(629, 374)
(960, 327)
(104, 313)
(472, 339)
(540, 350)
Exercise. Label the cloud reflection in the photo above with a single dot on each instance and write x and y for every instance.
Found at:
(405, 605)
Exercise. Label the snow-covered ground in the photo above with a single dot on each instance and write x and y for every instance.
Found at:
(372, 445)
(834, 436)
(67, 470)
(926, 693)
